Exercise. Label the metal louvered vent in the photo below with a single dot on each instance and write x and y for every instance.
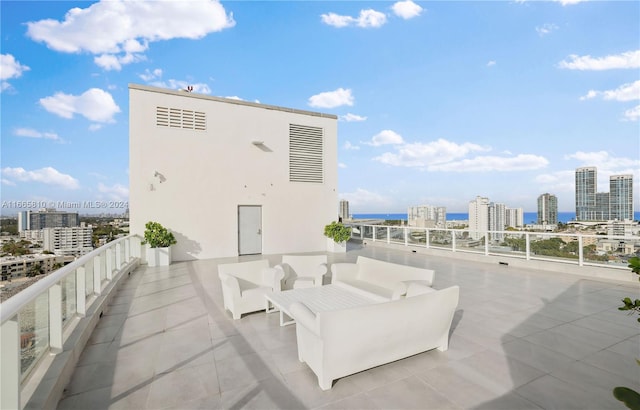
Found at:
(178, 118)
(306, 154)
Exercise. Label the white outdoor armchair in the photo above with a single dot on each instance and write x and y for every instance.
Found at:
(244, 285)
(302, 271)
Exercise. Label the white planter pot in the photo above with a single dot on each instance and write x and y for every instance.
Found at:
(158, 256)
(333, 246)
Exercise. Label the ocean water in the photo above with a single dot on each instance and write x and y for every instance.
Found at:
(529, 217)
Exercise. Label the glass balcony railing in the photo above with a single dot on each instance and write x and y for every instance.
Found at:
(579, 249)
(39, 319)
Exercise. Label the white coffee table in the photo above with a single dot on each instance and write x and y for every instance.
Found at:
(319, 299)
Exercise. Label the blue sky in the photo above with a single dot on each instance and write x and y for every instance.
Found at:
(438, 101)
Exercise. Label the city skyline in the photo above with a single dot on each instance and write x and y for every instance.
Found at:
(438, 102)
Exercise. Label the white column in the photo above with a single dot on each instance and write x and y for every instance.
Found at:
(486, 243)
(97, 275)
(527, 245)
(109, 265)
(388, 234)
(10, 369)
(427, 238)
(453, 241)
(406, 236)
(580, 251)
(127, 250)
(81, 296)
(55, 318)
(118, 256)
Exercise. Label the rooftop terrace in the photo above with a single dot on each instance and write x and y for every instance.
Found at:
(521, 339)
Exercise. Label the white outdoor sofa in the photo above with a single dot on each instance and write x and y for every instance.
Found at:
(386, 279)
(244, 285)
(338, 343)
(303, 271)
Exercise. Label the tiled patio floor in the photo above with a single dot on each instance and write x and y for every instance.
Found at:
(521, 339)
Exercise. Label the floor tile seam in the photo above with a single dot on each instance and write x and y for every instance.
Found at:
(593, 365)
(605, 333)
(586, 340)
(608, 351)
(159, 291)
(541, 404)
(571, 359)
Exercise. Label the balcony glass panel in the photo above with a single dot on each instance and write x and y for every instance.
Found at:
(368, 232)
(34, 332)
(509, 243)
(397, 234)
(551, 246)
(381, 233)
(465, 243)
(69, 309)
(441, 239)
(417, 237)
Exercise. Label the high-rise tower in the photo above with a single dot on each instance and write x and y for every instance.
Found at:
(547, 209)
(586, 180)
(621, 197)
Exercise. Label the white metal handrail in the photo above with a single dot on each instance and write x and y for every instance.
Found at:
(372, 232)
(91, 275)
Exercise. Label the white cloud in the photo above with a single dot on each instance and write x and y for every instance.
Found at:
(342, 165)
(94, 104)
(7, 182)
(569, 2)
(332, 99)
(31, 133)
(385, 137)
(367, 19)
(626, 92)
(406, 9)
(349, 146)
(603, 161)
(118, 31)
(10, 68)
(352, 118)
(149, 75)
(521, 162)
(423, 155)
(632, 114)
(114, 192)
(47, 175)
(200, 88)
(365, 200)
(94, 127)
(545, 29)
(491, 63)
(629, 59)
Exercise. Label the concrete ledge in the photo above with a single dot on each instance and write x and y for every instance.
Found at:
(44, 388)
(592, 272)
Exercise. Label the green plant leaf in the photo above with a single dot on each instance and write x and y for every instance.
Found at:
(629, 397)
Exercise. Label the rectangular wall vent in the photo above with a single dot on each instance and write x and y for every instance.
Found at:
(178, 118)
(306, 154)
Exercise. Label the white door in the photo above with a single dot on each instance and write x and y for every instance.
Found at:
(249, 229)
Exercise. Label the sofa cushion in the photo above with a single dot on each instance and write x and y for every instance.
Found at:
(360, 286)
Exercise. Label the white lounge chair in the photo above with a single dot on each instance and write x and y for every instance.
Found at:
(244, 285)
(303, 271)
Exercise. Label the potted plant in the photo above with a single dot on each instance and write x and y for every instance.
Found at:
(158, 240)
(337, 236)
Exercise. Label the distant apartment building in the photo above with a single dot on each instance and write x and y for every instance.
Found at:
(585, 184)
(514, 217)
(547, 209)
(621, 197)
(344, 210)
(427, 216)
(31, 235)
(74, 241)
(47, 218)
(17, 266)
(497, 219)
(603, 206)
(268, 175)
(478, 217)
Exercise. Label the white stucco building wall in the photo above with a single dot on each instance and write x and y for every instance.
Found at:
(194, 161)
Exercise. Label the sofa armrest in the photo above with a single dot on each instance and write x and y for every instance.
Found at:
(400, 289)
(344, 271)
(305, 317)
(272, 277)
(321, 270)
(230, 283)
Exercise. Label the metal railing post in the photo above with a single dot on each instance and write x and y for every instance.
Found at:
(10, 369)
(55, 318)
